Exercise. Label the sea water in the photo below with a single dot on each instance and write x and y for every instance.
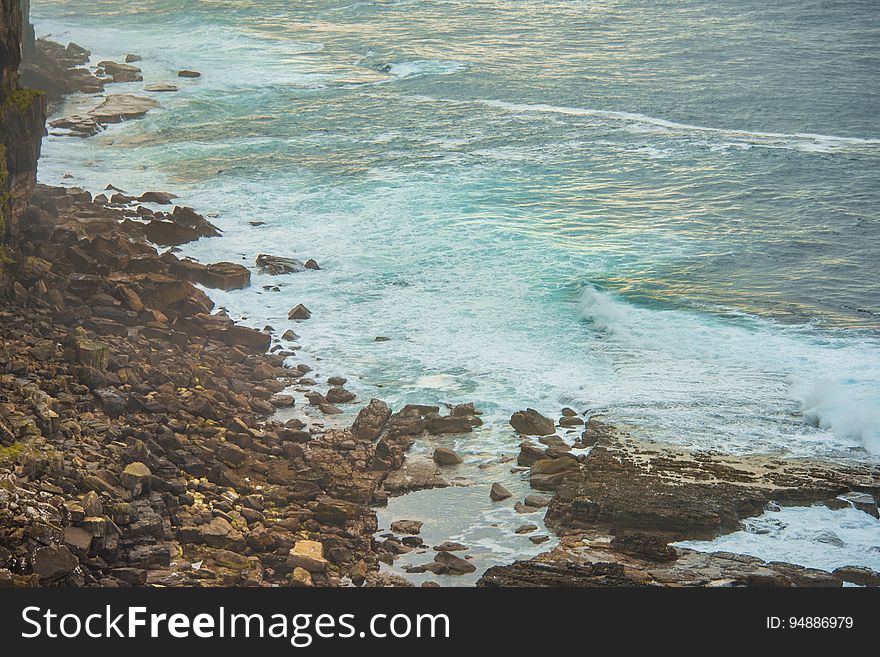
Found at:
(664, 212)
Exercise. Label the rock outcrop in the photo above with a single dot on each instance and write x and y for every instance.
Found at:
(22, 123)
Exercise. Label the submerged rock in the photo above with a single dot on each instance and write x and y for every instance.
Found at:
(161, 87)
(276, 265)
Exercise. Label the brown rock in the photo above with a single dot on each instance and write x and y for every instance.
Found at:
(444, 456)
(299, 312)
(499, 492)
(532, 423)
(406, 526)
(371, 420)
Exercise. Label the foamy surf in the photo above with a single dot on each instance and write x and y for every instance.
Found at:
(804, 141)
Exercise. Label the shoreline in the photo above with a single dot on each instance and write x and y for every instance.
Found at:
(334, 439)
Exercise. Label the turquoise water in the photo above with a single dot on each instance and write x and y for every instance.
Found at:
(663, 212)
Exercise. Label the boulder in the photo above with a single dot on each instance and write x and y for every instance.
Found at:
(136, 478)
(339, 395)
(120, 72)
(454, 565)
(532, 423)
(371, 420)
(499, 492)
(450, 546)
(159, 198)
(442, 424)
(549, 473)
(53, 562)
(276, 265)
(227, 276)
(444, 456)
(187, 73)
(406, 526)
(299, 312)
(218, 533)
(308, 555)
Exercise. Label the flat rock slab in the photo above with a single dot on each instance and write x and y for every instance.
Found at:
(631, 485)
(122, 107)
(417, 473)
(589, 561)
(161, 87)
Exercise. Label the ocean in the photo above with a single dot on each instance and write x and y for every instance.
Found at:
(666, 213)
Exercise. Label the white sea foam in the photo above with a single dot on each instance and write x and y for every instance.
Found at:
(805, 141)
(836, 385)
(421, 67)
(814, 536)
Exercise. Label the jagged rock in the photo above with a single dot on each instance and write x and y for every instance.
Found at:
(371, 420)
(111, 402)
(532, 423)
(526, 529)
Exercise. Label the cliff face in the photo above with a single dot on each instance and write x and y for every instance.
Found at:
(22, 120)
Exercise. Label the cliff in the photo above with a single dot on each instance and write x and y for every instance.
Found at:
(22, 121)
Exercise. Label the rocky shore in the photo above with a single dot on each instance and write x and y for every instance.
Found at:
(619, 508)
(147, 439)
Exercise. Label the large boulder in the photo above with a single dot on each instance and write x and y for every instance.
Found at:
(531, 423)
(227, 276)
(53, 562)
(371, 420)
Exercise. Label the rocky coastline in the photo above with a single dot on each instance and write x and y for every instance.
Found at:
(147, 439)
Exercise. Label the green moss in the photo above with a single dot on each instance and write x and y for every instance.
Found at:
(8, 455)
(23, 99)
